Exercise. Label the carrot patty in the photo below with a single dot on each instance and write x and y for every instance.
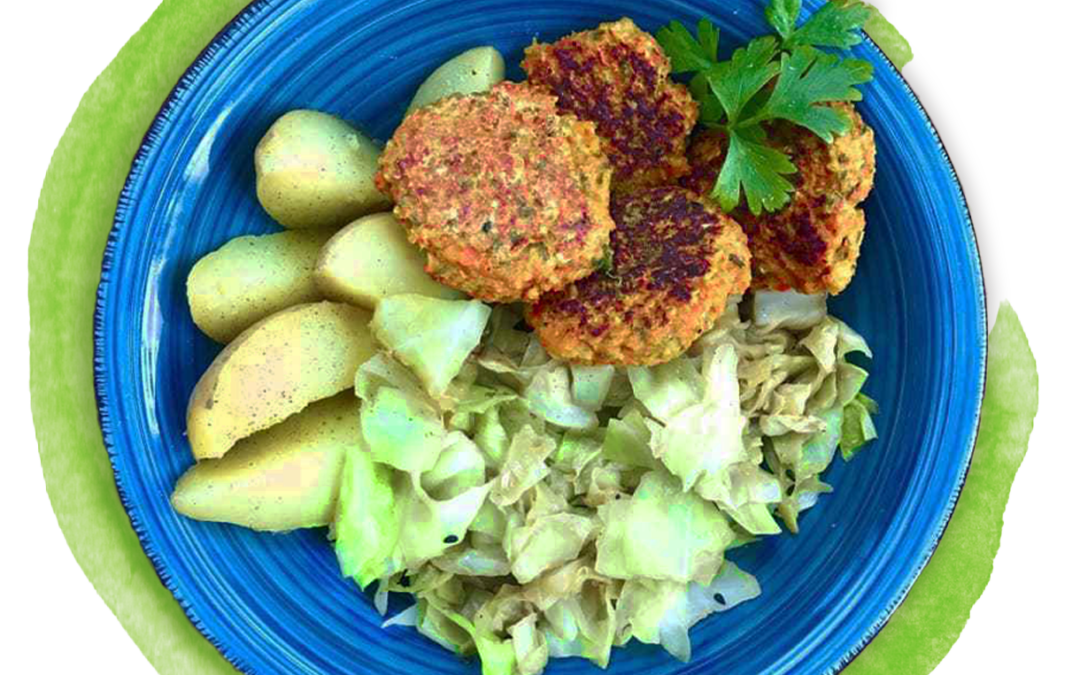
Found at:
(812, 244)
(675, 259)
(508, 197)
(617, 76)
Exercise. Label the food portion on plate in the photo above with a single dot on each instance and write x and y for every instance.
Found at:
(471, 72)
(252, 277)
(586, 353)
(314, 170)
(371, 259)
(273, 370)
(508, 197)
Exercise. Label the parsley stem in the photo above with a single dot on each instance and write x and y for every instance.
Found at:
(752, 120)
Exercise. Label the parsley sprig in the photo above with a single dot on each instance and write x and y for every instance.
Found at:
(783, 77)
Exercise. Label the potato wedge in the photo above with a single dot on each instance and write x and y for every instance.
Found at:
(372, 259)
(475, 70)
(314, 170)
(279, 479)
(275, 369)
(251, 277)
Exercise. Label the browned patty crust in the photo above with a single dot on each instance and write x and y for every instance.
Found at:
(812, 244)
(616, 75)
(675, 259)
(508, 196)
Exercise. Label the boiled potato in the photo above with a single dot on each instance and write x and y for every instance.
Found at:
(275, 369)
(250, 278)
(282, 478)
(314, 170)
(475, 70)
(372, 259)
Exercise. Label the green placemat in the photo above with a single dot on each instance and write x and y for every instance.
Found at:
(74, 215)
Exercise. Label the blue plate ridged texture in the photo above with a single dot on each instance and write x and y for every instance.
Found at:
(277, 603)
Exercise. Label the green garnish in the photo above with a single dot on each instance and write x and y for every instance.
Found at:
(736, 96)
(836, 24)
(686, 52)
(606, 264)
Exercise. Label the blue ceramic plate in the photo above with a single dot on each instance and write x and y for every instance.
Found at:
(277, 603)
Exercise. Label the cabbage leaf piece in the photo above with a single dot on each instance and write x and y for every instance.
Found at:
(386, 523)
(705, 437)
(431, 336)
(368, 523)
(550, 397)
(546, 543)
(525, 466)
(662, 612)
(662, 533)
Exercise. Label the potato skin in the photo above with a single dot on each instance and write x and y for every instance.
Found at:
(275, 369)
(476, 70)
(315, 170)
(373, 259)
(279, 479)
(251, 277)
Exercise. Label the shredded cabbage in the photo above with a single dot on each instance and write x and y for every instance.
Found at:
(858, 427)
(530, 646)
(401, 431)
(459, 467)
(524, 467)
(538, 509)
(629, 441)
(428, 526)
(669, 388)
(547, 542)
(705, 437)
(367, 525)
(470, 559)
(577, 450)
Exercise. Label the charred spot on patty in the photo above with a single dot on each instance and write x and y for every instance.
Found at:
(659, 244)
(674, 261)
(617, 77)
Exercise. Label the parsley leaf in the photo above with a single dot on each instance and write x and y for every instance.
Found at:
(708, 37)
(788, 79)
(686, 52)
(809, 78)
(735, 82)
(782, 15)
(755, 168)
(710, 109)
(836, 24)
